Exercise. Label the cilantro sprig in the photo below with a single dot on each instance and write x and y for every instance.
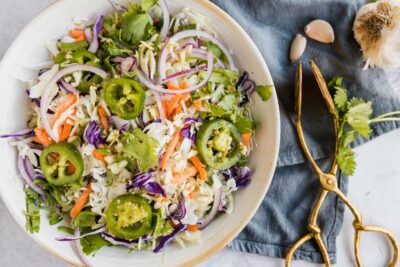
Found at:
(354, 121)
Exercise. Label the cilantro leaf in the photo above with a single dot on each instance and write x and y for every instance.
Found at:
(336, 81)
(228, 102)
(138, 145)
(65, 229)
(216, 111)
(54, 215)
(92, 243)
(346, 160)
(32, 212)
(147, 4)
(226, 77)
(244, 124)
(359, 115)
(136, 25)
(264, 92)
(340, 98)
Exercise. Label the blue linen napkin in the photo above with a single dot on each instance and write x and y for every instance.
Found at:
(284, 214)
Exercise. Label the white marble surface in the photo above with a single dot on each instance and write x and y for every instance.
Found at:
(374, 189)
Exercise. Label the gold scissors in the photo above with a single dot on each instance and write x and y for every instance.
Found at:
(328, 180)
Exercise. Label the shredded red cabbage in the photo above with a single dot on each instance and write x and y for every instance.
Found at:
(180, 212)
(94, 43)
(166, 239)
(138, 180)
(155, 188)
(22, 133)
(92, 134)
(241, 175)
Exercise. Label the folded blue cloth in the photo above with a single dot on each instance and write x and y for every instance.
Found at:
(284, 214)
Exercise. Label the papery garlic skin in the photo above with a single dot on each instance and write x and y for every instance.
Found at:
(377, 30)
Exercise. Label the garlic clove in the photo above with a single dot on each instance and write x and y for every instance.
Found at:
(320, 30)
(298, 47)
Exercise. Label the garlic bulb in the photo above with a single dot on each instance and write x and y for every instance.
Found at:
(377, 30)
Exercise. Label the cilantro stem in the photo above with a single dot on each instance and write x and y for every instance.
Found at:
(388, 114)
(378, 119)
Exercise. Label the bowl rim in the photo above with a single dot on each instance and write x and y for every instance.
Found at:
(275, 150)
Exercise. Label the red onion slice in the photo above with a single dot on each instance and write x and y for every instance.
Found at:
(44, 102)
(67, 86)
(127, 64)
(77, 237)
(191, 33)
(22, 167)
(144, 80)
(94, 43)
(214, 210)
(76, 245)
(185, 73)
(166, 19)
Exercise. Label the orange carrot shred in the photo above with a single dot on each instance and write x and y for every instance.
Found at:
(66, 131)
(170, 149)
(172, 104)
(198, 105)
(184, 85)
(42, 137)
(246, 138)
(67, 103)
(81, 201)
(76, 33)
(172, 86)
(103, 118)
(185, 174)
(99, 156)
(193, 227)
(200, 167)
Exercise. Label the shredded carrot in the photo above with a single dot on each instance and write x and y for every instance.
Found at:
(192, 194)
(185, 174)
(193, 227)
(184, 85)
(198, 105)
(66, 131)
(79, 35)
(67, 103)
(99, 156)
(76, 33)
(172, 86)
(185, 97)
(246, 138)
(42, 137)
(177, 110)
(170, 148)
(103, 118)
(172, 104)
(200, 167)
(81, 201)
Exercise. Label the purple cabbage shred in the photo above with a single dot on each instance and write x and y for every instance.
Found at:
(92, 134)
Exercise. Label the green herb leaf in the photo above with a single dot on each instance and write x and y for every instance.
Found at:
(32, 213)
(359, 115)
(66, 229)
(346, 160)
(226, 77)
(85, 219)
(138, 145)
(136, 26)
(264, 92)
(216, 111)
(244, 124)
(92, 243)
(228, 102)
(340, 98)
(147, 4)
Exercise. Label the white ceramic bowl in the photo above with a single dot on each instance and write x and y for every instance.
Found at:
(29, 48)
